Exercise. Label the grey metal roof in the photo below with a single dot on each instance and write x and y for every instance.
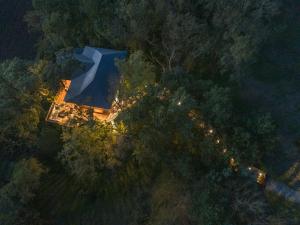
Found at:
(96, 86)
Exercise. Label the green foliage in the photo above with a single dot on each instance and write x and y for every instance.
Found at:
(19, 104)
(256, 139)
(218, 106)
(49, 142)
(71, 23)
(170, 201)
(157, 163)
(171, 33)
(137, 74)
(165, 117)
(90, 151)
(208, 201)
(16, 195)
(284, 212)
(248, 205)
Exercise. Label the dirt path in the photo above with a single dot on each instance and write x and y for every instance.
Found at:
(283, 191)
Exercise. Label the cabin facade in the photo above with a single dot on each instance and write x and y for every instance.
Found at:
(92, 90)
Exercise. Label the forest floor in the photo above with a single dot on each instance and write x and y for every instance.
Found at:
(15, 40)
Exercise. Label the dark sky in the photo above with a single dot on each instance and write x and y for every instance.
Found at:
(15, 40)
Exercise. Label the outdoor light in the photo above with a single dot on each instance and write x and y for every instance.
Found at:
(261, 178)
(179, 103)
(202, 125)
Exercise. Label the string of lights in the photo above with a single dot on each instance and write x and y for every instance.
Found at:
(260, 175)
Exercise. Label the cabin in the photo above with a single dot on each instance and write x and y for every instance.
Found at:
(91, 91)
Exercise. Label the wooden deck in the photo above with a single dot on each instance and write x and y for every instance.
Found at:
(65, 113)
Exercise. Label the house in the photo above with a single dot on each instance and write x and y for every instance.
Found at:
(92, 90)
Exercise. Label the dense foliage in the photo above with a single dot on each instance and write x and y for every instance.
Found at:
(162, 161)
(20, 104)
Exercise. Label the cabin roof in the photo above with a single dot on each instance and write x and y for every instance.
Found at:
(97, 83)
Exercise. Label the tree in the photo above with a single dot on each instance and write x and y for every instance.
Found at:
(249, 205)
(16, 195)
(71, 23)
(136, 74)
(20, 105)
(170, 201)
(235, 26)
(90, 151)
(166, 147)
(214, 36)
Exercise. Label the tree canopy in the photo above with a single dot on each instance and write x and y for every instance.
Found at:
(182, 125)
(20, 104)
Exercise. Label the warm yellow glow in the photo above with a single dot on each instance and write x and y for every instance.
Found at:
(261, 177)
(234, 165)
(202, 125)
(232, 161)
(62, 112)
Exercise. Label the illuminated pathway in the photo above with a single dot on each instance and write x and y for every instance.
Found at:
(260, 176)
(253, 173)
